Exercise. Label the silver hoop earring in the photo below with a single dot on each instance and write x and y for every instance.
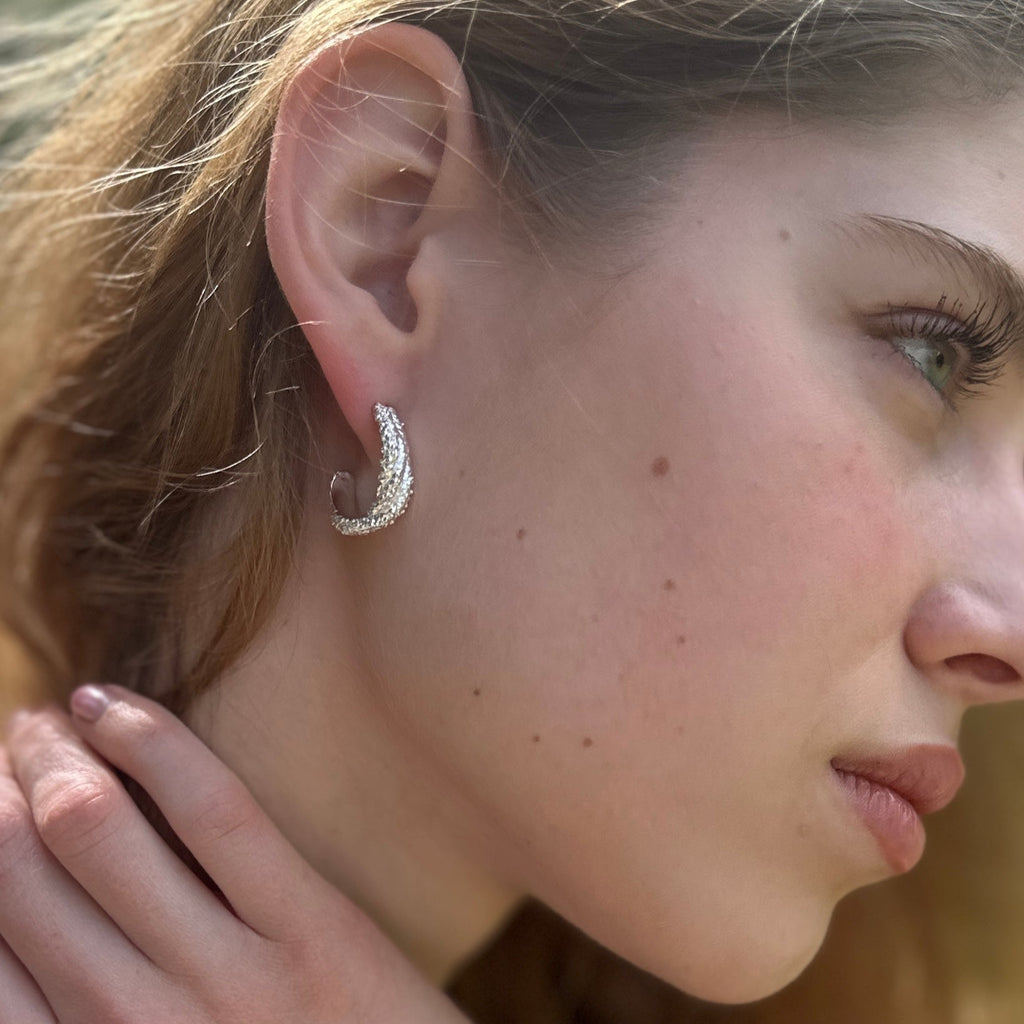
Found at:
(394, 484)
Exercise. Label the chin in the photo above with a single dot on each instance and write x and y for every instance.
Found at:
(742, 966)
(748, 983)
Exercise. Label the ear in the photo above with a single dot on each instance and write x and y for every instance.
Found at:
(374, 155)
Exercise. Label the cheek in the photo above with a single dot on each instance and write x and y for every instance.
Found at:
(865, 535)
(786, 580)
(830, 533)
(791, 506)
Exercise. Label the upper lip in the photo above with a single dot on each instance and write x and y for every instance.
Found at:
(926, 776)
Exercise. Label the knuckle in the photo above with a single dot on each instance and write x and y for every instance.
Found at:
(77, 816)
(322, 965)
(113, 1006)
(117, 1013)
(223, 812)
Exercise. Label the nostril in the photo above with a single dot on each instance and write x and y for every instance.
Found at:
(984, 667)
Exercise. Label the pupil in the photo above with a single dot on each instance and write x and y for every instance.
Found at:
(940, 360)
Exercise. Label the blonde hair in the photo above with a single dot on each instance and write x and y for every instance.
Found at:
(158, 424)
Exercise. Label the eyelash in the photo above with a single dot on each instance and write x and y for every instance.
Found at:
(984, 338)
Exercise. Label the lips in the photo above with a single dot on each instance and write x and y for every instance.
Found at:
(926, 776)
(889, 793)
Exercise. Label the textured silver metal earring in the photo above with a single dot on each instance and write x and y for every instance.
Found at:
(394, 484)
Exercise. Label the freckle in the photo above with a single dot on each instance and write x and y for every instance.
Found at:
(784, 234)
(700, 222)
(803, 830)
(520, 533)
(476, 693)
(659, 467)
(594, 617)
(680, 640)
(462, 473)
(587, 741)
(669, 585)
(535, 738)
(1001, 175)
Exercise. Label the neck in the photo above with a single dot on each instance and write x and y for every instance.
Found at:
(300, 724)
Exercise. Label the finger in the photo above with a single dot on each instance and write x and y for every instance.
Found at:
(22, 1002)
(90, 824)
(67, 944)
(270, 887)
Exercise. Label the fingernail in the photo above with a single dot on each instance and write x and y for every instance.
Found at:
(89, 702)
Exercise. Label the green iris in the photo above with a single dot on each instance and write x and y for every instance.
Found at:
(933, 358)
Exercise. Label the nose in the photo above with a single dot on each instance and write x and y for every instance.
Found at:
(967, 636)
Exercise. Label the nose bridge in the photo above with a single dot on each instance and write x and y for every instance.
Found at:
(993, 544)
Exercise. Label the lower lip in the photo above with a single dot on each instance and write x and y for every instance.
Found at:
(893, 822)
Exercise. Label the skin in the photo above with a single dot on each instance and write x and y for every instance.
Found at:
(683, 530)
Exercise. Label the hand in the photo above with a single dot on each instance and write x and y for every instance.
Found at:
(100, 922)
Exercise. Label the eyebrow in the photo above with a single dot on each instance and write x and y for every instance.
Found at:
(1000, 286)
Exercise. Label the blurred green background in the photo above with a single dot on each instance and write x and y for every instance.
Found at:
(31, 7)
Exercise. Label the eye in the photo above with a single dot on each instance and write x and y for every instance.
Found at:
(936, 358)
(958, 356)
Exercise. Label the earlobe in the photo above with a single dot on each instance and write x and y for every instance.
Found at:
(372, 156)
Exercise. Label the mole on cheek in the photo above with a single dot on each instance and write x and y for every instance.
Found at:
(476, 693)
(669, 585)
(784, 234)
(587, 741)
(659, 467)
(520, 533)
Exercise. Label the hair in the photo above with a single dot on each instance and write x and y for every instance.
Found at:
(157, 431)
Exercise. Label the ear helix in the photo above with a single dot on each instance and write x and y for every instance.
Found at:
(394, 483)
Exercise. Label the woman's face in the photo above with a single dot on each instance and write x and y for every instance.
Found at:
(686, 535)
